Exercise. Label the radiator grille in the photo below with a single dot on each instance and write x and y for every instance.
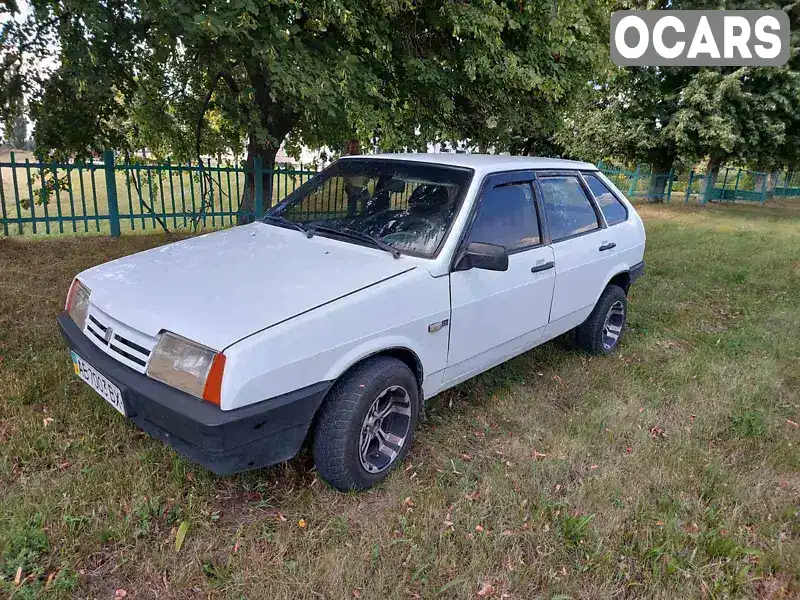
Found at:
(129, 346)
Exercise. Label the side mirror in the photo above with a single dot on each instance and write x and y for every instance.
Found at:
(478, 255)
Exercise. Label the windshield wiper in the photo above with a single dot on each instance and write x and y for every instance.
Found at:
(289, 223)
(352, 233)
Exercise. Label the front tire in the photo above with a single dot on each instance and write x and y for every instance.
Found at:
(602, 331)
(366, 423)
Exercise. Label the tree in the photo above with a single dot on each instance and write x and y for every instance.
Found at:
(189, 77)
(663, 115)
(749, 115)
(18, 130)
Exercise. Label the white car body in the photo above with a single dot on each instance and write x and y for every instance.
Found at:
(289, 311)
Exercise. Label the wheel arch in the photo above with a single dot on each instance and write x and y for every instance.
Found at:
(622, 280)
(402, 353)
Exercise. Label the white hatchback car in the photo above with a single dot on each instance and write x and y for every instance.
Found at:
(373, 287)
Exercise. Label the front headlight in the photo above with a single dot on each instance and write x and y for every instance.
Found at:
(77, 304)
(188, 366)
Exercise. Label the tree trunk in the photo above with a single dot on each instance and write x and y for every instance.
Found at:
(771, 183)
(712, 170)
(247, 203)
(278, 120)
(659, 179)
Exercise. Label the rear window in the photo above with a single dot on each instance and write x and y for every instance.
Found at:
(613, 210)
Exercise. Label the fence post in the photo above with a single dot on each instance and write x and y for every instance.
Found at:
(707, 188)
(111, 192)
(764, 187)
(258, 181)
(736, 187)
(671, 175)
(689, 187)
(634, 181)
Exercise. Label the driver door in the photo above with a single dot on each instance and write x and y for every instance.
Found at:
(499, 314)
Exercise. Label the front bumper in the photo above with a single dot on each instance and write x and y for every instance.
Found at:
(225, 442)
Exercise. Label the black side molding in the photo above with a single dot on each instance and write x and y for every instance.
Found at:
(636, 271)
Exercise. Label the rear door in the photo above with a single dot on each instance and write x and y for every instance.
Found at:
(624, 229)
(498, 314)
(580, 246)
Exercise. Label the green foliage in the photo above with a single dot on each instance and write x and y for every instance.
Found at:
(662, 115)
(183, 77)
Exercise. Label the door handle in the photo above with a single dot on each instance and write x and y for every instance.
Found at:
(543, 267)
(607, 246)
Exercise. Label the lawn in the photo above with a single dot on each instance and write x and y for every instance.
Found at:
(669, 470)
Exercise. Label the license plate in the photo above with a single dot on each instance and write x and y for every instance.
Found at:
(98, 382)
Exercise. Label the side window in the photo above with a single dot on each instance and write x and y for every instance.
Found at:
(569, 210)
(613, 210)
(507, 217)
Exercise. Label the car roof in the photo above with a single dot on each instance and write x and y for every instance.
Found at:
(482, 162)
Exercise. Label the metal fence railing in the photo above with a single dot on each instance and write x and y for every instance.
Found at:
(726, 184)
(114, 197)
(111, 197)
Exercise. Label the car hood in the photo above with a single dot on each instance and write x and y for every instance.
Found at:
(217, 288)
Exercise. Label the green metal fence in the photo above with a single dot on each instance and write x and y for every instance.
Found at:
(113, 197)
(726, 184)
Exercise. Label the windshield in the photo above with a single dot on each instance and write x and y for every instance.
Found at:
(407, 205)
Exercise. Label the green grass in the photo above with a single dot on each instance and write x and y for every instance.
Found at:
(668, 470)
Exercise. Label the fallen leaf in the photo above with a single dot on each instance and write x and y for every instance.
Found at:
(593, 467)
(793, 424)
(356, 593)
(183, 529)
(508, 532)
(473, 495)
(628, 449)
(538, 455)
(408, 502)
(18, 576)
(486, 590)
(448, 523)
(120, 593)
(47, 421)
(302, 523)
(558, 379)
(479, 528)
(657, 432)
(49, 581)
(236, 546)
(466, 457)
(281, 517)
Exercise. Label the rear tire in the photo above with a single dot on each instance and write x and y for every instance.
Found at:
(602, 331)
(366, 424)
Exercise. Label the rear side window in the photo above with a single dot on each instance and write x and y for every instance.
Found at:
(569, 210)
(613, 210)
(507, 217)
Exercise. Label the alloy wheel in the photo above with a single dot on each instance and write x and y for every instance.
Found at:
(385, 429)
